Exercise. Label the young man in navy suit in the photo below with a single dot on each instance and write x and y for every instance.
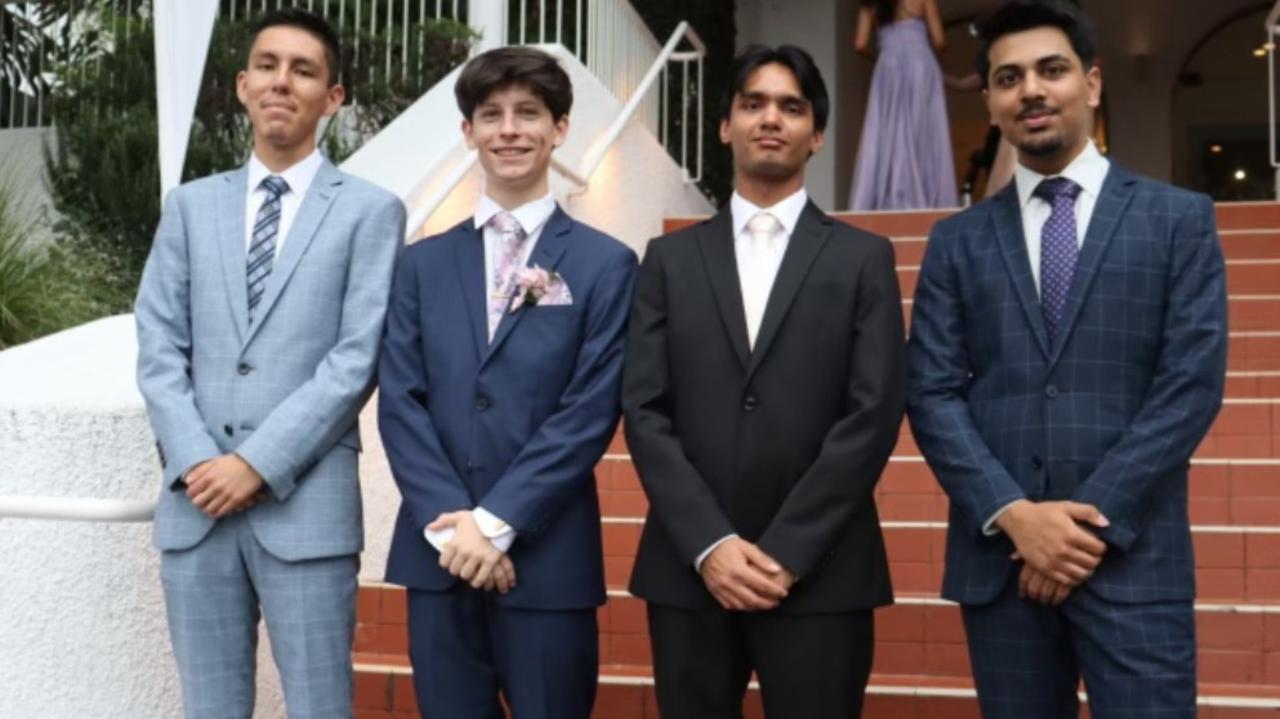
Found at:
(1067, 355)
(499, 384)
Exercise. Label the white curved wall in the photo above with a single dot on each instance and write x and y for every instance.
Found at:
(83, 630)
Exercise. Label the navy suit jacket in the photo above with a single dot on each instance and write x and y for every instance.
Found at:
(1109, 415)
(517, 425)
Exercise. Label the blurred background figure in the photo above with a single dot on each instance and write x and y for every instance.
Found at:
(995, 157)
(904, 157)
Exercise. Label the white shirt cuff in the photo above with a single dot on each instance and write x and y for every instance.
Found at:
(697, 563)
(498, 532)
(989, 528)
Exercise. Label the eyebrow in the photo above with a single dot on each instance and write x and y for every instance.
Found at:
(757, 95)
(1039, 61)
(297, 60)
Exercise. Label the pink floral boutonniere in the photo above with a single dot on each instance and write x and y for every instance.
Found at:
(532, 284)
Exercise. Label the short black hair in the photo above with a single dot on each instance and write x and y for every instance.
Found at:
(504, 67)
(310, 22)
(799, 62)
(1019, 15)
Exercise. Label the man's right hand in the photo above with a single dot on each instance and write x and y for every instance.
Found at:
(1050, 539)
(503, 577)
(742, 577)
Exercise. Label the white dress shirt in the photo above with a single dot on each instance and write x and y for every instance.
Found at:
(787, 212)
(1089, 171)
(298, 176)
(532, 217)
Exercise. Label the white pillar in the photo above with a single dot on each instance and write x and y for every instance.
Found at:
(489, 17)
(182, 38)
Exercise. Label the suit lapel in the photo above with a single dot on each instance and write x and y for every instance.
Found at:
(811, 233)
(1007, 217)
(231, 245)
(469, 257)
(551, 246)
(1116, 192)
(715, 240)
(310, 214)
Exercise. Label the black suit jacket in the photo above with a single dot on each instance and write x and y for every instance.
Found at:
(782, 444)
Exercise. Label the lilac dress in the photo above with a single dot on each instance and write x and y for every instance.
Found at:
(904, 159)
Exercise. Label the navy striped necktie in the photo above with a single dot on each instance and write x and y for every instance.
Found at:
(262, 249)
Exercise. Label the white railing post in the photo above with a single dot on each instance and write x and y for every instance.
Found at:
(489, 17)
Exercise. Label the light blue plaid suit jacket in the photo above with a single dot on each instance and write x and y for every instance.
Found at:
(1109, 416)
(285, 392)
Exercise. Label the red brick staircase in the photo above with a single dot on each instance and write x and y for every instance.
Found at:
(921, 666)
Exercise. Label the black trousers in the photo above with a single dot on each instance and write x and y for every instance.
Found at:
(809, 666)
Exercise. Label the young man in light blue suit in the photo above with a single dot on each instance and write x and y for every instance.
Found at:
(258, 320)
(498, 394)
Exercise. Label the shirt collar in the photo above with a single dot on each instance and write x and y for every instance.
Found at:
(531, 215)
(1088, 170)
(787, 211)
(299, 175)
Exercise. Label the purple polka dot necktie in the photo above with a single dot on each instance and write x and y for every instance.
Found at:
(1058, 249)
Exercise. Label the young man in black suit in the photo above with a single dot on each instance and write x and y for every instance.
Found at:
(763, 394)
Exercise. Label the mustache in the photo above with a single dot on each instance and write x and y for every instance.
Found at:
(1038, 107)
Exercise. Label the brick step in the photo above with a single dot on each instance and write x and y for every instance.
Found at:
(1233, 564)
(1244, 428)
(921, 634)
(1244, 277)
(1246, 313)
(1231, 217)
(1253, 384)
(1223, 492)
(1250, 244)
(384, 690)
(1236, 245)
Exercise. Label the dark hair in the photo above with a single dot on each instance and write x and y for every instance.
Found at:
(885, 10)
(1019, 15)
(310, 22)
(799, 62)
(506, 66)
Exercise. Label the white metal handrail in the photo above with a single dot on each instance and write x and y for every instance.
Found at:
(667, 55)
(79, 509)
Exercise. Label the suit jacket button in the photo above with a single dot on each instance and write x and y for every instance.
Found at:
(1051, 391)
(750, 403)
(482, 403)
(1036, 463)
(227, 428)
(244, 368)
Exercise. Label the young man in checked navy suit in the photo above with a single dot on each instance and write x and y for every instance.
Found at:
(259, 317)
(1067, 355)
(499, 385)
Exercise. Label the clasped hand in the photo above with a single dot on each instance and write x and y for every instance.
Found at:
(471, 557)
(224, 485)
(743, 578)
(1057, 551)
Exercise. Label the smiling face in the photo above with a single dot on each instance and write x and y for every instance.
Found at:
(286, 91)
(770, 129)
(1042, 97)
(514, 134)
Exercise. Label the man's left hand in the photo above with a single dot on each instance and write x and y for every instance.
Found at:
(1039, 587)
(469, 555)
(223, 485)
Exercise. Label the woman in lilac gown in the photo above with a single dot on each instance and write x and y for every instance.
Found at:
(904, 158)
